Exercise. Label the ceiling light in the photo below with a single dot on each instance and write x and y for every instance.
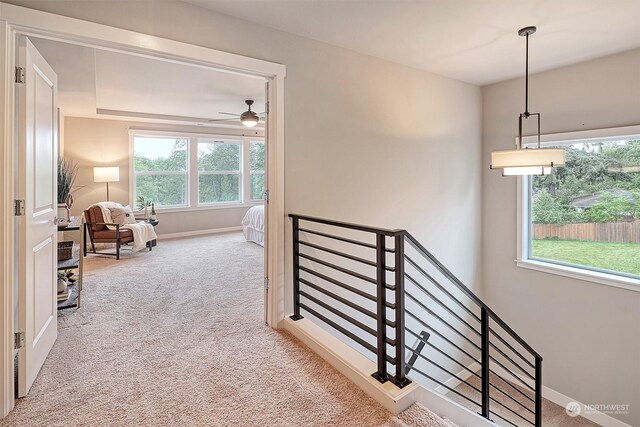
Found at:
(249, 118)
(527, 161)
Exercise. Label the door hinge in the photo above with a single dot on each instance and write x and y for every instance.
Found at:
(18, 340)
(266, 283)
(18, 207)
(267, 195)
(20, 75)
(266, 107)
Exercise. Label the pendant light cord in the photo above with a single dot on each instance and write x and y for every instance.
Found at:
(526, 79)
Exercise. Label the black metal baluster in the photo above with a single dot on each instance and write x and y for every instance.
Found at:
(538, 392)
(490, 323)
(381, 311)
(296, 269)
(484, 329)
(400, 378)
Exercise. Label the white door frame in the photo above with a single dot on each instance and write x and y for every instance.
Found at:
(14, 21)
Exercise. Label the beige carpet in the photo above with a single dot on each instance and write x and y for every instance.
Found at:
(176, 337)
(552, 415)
(418, 416)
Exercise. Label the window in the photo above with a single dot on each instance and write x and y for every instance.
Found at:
(586, 215)
(219, 177)
(256, 161)
(160, 170)
(177, 172)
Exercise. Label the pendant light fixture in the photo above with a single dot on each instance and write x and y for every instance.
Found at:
(527, 161)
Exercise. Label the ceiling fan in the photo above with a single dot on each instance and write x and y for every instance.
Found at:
(249, 118)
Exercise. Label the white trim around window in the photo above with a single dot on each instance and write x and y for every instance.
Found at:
(193, 173)
(524, 259)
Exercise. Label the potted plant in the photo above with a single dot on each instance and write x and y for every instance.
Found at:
(67, 173)
(144, 204)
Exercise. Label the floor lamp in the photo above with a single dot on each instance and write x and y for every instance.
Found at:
(106, 174)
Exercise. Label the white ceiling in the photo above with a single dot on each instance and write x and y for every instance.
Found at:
(99, 83)
(470, 40)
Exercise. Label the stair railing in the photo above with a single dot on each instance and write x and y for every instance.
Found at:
(361, 282)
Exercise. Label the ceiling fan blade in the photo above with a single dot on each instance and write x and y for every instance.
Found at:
(223, 120)
(228, 114)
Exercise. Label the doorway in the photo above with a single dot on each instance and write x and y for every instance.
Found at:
(175, 53)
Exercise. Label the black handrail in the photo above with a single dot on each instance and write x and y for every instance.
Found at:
(359, 227)
(449, 275)
(390, 349)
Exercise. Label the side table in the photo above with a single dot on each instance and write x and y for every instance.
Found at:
(154, 222)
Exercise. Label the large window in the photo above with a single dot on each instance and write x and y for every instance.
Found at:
(586, 215)
(197, 171)
(219, 176)
(256, 167)
(160, 170)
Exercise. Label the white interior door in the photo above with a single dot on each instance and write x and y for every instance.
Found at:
(37, 165)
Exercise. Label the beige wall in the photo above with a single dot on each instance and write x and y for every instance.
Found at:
(588, 334)
(96, 142)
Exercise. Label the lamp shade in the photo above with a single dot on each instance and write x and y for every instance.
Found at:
(532, 157)
(106, 174)
(527, 170)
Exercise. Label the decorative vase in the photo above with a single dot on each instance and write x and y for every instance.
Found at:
(62, 285)
(63, 214)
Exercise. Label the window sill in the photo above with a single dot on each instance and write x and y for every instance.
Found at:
(581, 274)
(207, 207)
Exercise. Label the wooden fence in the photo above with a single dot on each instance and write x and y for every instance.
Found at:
(610, 232)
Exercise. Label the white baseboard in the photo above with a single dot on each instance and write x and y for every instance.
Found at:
(352, 364)
(454, 382)
(447, 408)
(548, 393)
(560, 399)
(198, 233)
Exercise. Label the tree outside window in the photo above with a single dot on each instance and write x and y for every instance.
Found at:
(588, 212)
(160, 170)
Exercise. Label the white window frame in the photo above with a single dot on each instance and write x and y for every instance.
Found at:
(133, 174)
(240, 172)
(192, 169)
(524, 258)
(247, 186)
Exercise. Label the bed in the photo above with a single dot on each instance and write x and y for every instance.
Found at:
(253, 225)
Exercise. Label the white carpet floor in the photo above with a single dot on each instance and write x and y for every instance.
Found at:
(176, 337)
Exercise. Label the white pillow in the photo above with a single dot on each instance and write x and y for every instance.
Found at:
(122, 215)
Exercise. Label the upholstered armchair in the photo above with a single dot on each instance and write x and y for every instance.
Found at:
(99, 232)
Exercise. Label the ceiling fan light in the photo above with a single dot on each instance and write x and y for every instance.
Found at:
(528, 157)
(249, 119)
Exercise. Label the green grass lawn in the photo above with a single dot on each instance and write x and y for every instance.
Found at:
(622, 257)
